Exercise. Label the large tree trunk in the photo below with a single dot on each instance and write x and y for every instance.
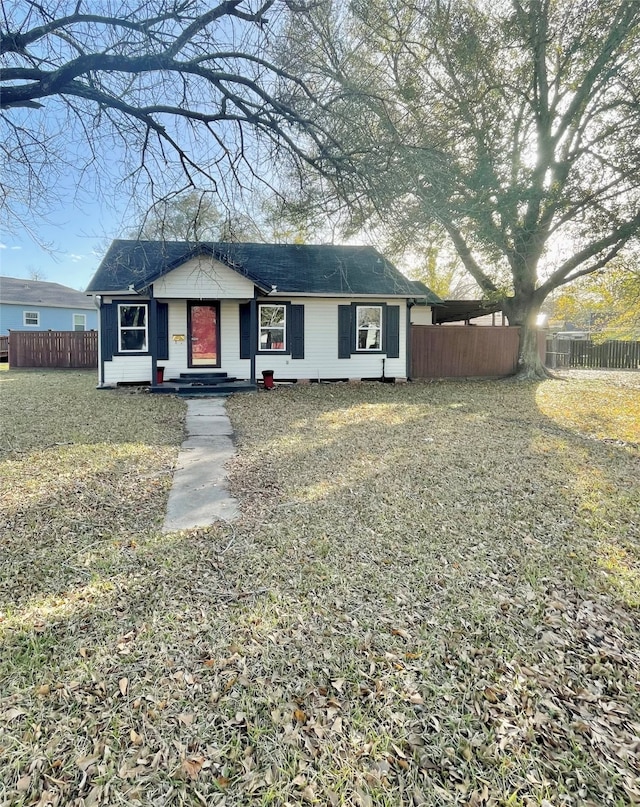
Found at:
(523, 312)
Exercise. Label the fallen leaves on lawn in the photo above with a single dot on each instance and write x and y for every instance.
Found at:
(392, 621)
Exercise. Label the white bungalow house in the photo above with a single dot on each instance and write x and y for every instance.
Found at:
(188, 314)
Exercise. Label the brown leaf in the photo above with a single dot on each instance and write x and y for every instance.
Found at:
(135, 738)
(24, 783)
(94, 796)
(490, 695)
(43, 689)
(192, 766)
(308, 794)
(338, 683)
(12, 714)
(123, 686)
(186, 718)
(48, 798)
(85, 762)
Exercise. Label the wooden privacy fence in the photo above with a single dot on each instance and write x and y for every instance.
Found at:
(77, 349)
(459, 351)
(584, 353)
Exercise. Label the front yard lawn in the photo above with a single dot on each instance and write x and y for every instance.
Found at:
(432, 597)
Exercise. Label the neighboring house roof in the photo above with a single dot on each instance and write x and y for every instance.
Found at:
(291, 268)
(19, 291)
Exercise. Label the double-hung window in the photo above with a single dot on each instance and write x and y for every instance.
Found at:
(273, 327)
(369, 327)
(132, 328)
(31, 318)
(79, 322)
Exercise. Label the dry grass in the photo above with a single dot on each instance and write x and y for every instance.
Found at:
(431, 598)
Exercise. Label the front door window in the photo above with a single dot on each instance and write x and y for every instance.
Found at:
(204, 335)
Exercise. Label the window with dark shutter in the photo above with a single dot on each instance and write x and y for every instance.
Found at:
(109, 330)
(345, 331)
(245, 330)
(296, 331)
(162, 336)
(392, 332)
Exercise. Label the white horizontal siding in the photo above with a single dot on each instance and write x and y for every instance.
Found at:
(230, 341)
(321, 347)
(203, 278)
(421, 315)
(128, 370)
(231, 362)
(178, 344)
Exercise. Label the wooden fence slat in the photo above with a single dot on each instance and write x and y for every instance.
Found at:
(612, 355)
(71, 349)
(455, 351)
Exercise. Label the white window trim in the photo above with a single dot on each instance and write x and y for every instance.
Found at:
(144, 328)
(84, 321)
(31, 324)
(369, 349)
(282, 349)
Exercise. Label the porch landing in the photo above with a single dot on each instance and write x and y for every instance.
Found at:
(191, 385)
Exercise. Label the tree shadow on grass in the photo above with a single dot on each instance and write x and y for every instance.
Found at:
(410, 604)
(471, 467)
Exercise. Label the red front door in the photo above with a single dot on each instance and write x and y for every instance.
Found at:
(204, 334)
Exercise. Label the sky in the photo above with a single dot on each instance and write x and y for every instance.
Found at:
(81, 163)
(67, 248)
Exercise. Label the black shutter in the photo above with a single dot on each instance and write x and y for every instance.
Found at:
(245, 330)
(392, 331)
(296, 331)
(346, 336)
(162, 331)
(108, 330)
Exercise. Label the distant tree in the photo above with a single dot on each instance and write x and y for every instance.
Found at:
(513, 125)
(605, 304)
(155, 92)
(189, 216)
(237, 227)
(36, 274)
(195, 216)
(445, 275)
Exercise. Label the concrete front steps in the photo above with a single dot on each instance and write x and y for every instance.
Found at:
(191, 385)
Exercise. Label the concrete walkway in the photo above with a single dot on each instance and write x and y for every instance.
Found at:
(199, 495)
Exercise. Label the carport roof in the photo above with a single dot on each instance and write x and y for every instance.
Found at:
(462, 310)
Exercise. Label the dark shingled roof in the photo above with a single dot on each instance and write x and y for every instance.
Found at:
(19, 291)
(292, 268)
